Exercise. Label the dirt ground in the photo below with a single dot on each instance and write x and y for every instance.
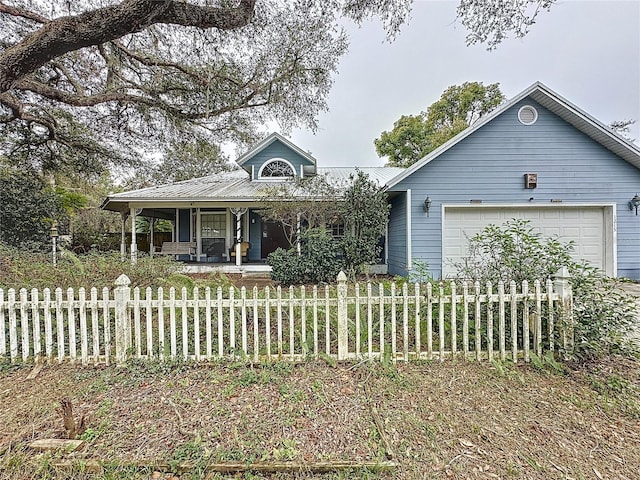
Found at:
(455, 419)
(434, 420)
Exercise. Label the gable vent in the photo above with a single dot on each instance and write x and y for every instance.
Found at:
(527, 115)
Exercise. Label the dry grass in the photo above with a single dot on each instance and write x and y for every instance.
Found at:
(443, 420)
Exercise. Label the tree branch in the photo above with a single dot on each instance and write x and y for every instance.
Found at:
(21, 12)
(76, 100)
(67, 34)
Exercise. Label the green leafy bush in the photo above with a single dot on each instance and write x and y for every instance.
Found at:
(603, 313)
(513, 251)
(28, 207)
(319, 260)
(285, 266)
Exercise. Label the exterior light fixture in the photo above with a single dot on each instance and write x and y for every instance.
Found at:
(634, 203)
(54, 241)
(427, 205)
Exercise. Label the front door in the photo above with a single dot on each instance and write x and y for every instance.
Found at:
(273, 237)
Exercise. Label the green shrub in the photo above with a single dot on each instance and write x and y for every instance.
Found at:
(319, 260)
(285, 266)
(513, 251)
(603, 314)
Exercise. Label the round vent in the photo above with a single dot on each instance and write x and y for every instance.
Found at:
(527, 115)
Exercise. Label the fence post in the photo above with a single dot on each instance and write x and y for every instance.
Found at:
(343, 330)
(122, 297)
(562, 286)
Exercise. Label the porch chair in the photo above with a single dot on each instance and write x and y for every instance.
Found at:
(244, 250)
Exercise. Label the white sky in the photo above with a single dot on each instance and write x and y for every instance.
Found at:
(586, 51)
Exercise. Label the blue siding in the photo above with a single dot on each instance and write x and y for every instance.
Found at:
(184, 228)
(184, 225)
(490, 163)
(276, 150)
(397, 236)
(255, 235)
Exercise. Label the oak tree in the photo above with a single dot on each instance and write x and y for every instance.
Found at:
(87, 84)
(413, 136)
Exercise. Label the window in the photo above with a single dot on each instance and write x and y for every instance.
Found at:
(277, 168)
(213, 229)
(214, 225)
(336, 229)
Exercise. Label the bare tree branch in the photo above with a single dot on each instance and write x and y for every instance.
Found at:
(21, 12)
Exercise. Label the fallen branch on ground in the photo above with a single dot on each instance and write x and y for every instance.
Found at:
(93, 466)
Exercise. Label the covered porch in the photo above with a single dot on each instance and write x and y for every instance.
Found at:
(208, 234)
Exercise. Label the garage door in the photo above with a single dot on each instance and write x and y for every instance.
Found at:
(587, 226)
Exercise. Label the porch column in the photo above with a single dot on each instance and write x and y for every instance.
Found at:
(134, 246)
(198, 235)
(123, 235)
(152, 222)
(174, 228)
(238, 212)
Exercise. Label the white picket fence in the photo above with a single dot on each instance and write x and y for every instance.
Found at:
(347, 322)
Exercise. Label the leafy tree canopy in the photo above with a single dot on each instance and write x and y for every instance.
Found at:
(85, 84)
(365, 212)
(360, 206)
(412, 137)
(184, 160)
(313, 201)
(28, 207)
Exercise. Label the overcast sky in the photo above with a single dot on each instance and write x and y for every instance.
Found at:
(586, 51)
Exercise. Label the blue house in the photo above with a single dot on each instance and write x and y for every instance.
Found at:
(537, 157)
(212, 215)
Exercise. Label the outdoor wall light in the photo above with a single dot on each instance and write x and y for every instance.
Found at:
(634, 203)
(427, 205)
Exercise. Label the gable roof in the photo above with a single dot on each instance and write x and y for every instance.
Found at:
(556, 104)
(268, 141)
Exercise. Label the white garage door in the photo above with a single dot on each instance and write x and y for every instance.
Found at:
(590, 227)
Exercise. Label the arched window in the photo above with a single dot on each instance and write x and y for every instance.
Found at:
(277, 168)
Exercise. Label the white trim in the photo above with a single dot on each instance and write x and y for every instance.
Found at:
(611, 216)
(199, 236)
(174, 227)
(409, 220)
(532, 109)
(268, 141)
(276, 159)
(528, 205)
(230, 232)
(134, 244)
